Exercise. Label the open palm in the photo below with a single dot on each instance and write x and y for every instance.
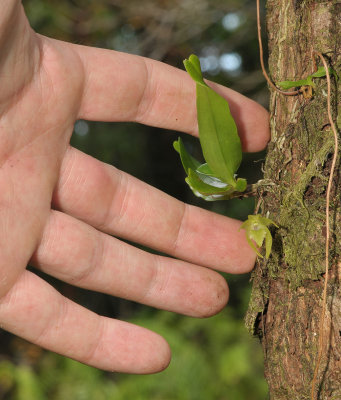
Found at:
(59, 207)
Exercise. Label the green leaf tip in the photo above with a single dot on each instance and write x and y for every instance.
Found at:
(193, 67)
(257, 230)
(241, 185)
(188, 162)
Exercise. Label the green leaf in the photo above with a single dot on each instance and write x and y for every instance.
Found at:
(187, 160)
(291, 84)
(206, 188)
(205, 169)
(217, 130)
(207, 176)
(212, 180)
(218, 134)
(241, 185)
(320, 73)
(254, 248)
(268, 244)
(192, 66)
(206, 191)
(201, 179)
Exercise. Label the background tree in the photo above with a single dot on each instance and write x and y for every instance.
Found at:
(287, 295)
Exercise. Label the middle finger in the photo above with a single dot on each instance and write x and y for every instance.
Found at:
(119, 204)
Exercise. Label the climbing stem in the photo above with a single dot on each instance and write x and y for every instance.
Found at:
(314, 393)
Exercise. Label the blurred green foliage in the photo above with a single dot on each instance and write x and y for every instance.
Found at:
(213, 359)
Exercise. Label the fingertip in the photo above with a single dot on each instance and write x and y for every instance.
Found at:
(146, 352)
(213, 297)
(248, 263)
(244, 256)
(155, 355)
(164, 356)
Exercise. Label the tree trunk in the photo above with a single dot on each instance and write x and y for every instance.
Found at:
(286, 303)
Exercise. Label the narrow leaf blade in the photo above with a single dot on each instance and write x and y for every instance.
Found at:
(292, 84)
(187, 160)
(218, 134)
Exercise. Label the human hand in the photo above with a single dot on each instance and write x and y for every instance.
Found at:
(58, 206)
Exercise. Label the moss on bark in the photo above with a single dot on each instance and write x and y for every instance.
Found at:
(287, 289)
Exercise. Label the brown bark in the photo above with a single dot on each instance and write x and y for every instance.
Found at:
(286, 304)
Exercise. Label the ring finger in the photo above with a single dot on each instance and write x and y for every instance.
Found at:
(77, 253)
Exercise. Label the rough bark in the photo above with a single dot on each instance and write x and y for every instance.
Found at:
(286, 303)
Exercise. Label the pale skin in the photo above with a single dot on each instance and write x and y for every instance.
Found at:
(59, 207)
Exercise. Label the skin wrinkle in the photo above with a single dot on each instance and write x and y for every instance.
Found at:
(116, 179)
(94, 263)
(55, 326)
(10, 296)
(139, 112)
(86, 79)
(142, 221)
(100, 265)
(26, 146)
(119, 186)
(178, 233)
(32, 66)
(152, 96)
(29, 89)
(17, 295)
(157, 283)
(136, 223)
(52, 324)
(75, 179)
(19, 131)
(151, 91)
(51, 91)
(6, 200)
(68, 169)
(163, 277)
(18, 260)
(52, 78)
(91, 353)
(68, 320)
(126, 265)
(49, 238)
(87, 108)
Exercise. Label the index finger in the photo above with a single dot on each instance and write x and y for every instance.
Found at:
(121, 205)
(124, 87)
